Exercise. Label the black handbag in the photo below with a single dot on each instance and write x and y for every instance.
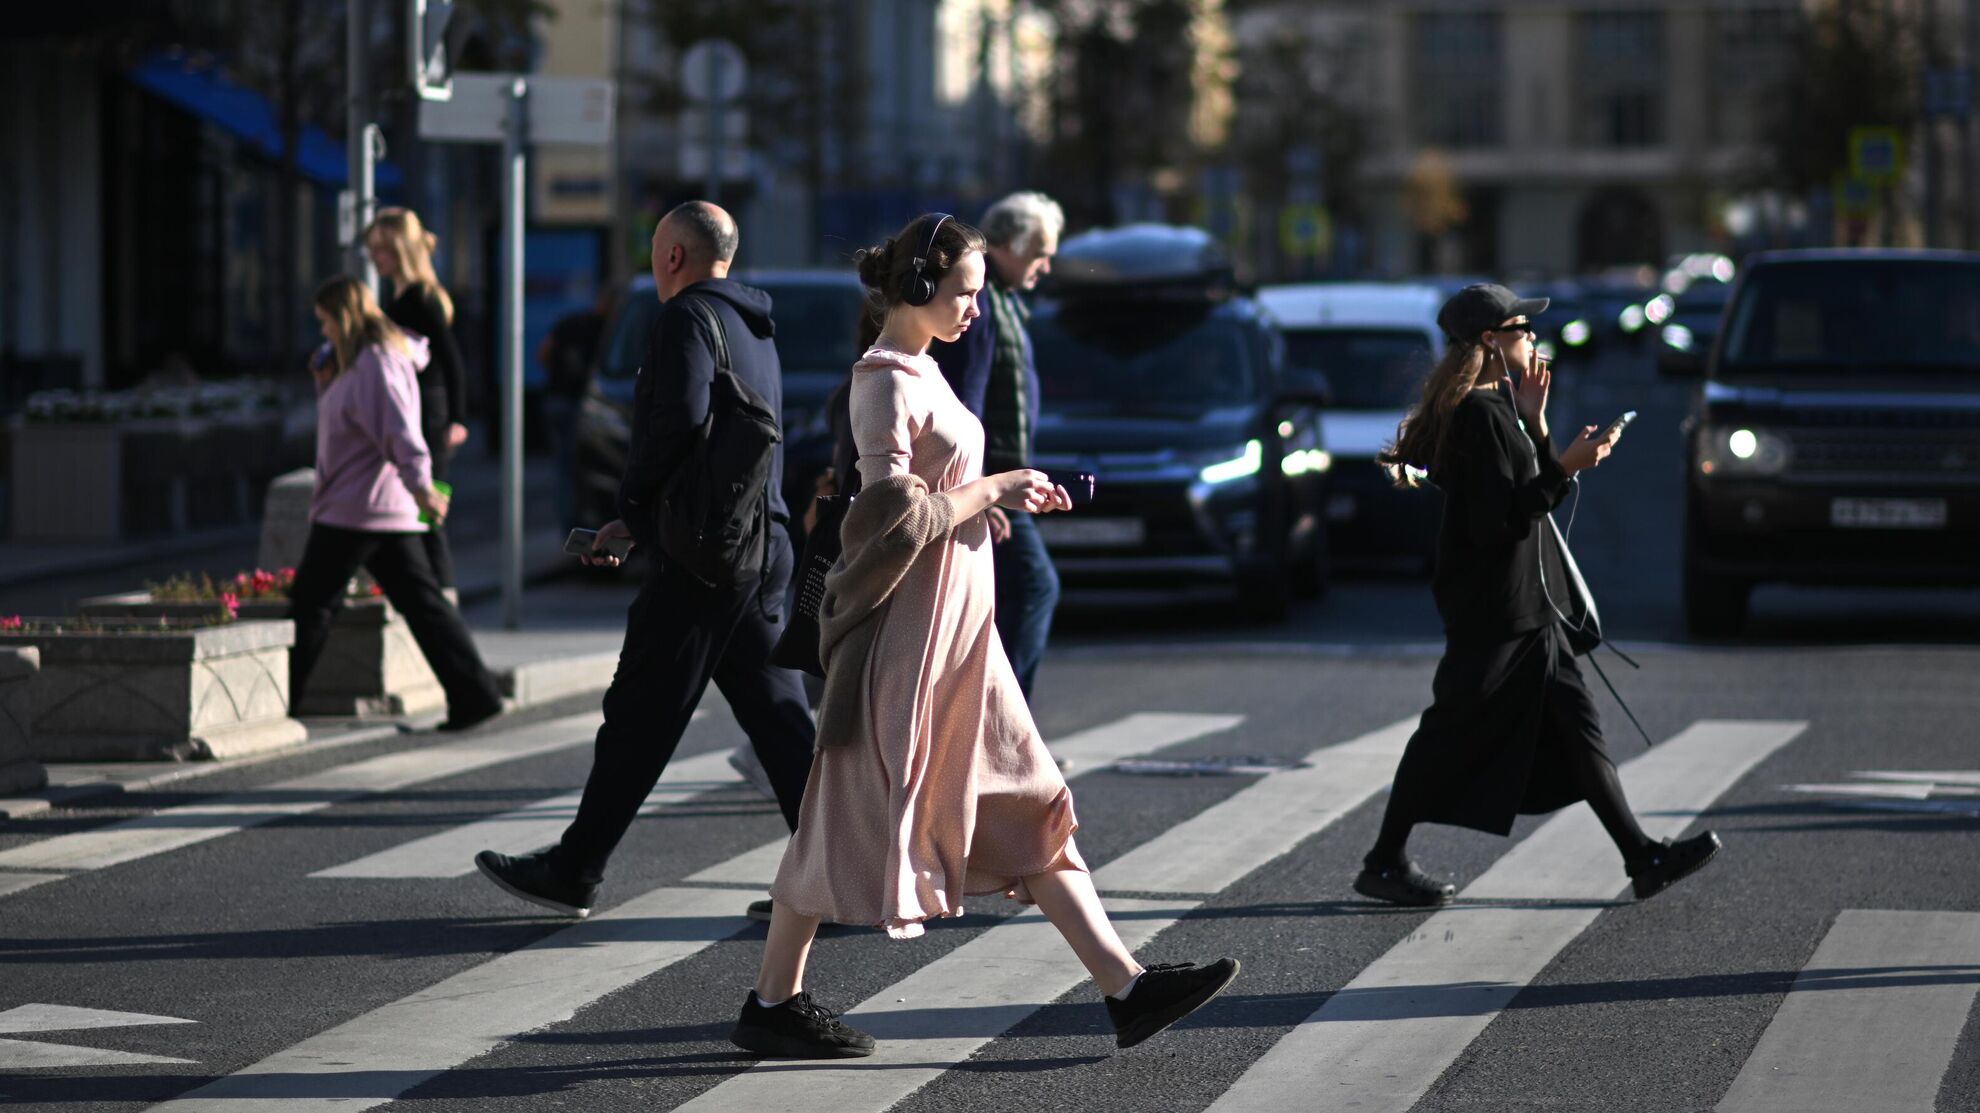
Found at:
(798, 647)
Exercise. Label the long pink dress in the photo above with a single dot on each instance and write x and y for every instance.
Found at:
(951, 790)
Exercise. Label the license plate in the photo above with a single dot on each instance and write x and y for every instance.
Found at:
(1887, 513)
(1073, 532)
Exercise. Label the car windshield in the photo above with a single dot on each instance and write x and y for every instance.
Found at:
(1132, 358)
(1367, 368)
(1905, 315)
(817, 328)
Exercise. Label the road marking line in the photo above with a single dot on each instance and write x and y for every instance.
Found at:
(173, 828)
(938, 1016)
(15, 882)
(1871, 1021)
(1089, 750)
(1384, 1039)
(35, 1055)
(374, 1058)
(450, 853)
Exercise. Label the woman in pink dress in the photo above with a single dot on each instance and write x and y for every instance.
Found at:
(931, 782)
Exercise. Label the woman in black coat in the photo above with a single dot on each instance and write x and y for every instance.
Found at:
(1512, 730)
(402, 250)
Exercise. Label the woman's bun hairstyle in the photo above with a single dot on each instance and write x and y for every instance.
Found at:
(885, 267)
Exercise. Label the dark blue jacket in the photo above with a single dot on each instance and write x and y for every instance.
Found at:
(670, 398)
(967, 365)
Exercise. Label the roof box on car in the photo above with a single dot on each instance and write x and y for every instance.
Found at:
(1142, 260)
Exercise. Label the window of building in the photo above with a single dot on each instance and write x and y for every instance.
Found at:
(1620, 78)
(1752, 52)
(1455, 79)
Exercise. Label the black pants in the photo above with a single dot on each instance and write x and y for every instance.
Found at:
(1512, 731)
(398, 562)
(439, 554)
(679, 636)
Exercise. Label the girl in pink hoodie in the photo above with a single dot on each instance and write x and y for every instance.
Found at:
(374, 480)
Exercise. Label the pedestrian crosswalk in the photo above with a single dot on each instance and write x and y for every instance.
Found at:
(1872, 1021)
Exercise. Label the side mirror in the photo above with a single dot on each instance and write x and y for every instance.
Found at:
(1305, 387)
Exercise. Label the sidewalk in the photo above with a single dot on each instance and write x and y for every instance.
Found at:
(566, 643)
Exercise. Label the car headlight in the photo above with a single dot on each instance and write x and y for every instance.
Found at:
(1306, 460)
(1679, 337)
(1632, 318)
(1576, 333)
(1658, 309)
(1742, 451)
(1244, 464)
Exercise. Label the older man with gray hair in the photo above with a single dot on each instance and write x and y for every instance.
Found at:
(992, 371)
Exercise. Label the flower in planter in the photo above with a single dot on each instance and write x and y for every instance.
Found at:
(10, 622)
(230, 605)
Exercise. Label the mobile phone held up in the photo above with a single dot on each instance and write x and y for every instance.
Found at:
(580, 541)
(1618, 425)
(1079, 485)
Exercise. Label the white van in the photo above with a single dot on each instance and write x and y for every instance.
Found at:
(1375, 342)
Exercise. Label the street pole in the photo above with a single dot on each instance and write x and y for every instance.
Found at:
(358, 136)
(514, 198)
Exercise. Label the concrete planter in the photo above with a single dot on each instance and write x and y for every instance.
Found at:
(371, 666)
(173, 694)
(19, 771)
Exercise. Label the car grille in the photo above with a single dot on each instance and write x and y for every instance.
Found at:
(1921, 444)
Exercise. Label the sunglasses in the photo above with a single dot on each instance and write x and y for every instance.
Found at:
(1524, 326)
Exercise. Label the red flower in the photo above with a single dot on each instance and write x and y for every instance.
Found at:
(230, 603)
(10, 622)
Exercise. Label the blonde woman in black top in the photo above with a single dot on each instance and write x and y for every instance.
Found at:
(402, 250)
(1511, 730)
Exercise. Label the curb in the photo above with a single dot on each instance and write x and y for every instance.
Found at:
(531, 684)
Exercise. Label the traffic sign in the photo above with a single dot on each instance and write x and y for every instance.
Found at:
(1876, 154)
(714, 70)
(561, 110)
(1855, 196)
(1305, 231)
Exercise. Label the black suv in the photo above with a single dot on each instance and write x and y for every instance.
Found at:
(1172, 387)
(1836, 438)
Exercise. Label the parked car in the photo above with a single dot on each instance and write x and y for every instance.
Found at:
(1174, 390)
(1374, 342)
(1687, 323)
(1836, 437)
(817, 327)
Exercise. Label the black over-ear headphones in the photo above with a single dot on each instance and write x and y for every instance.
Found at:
(916, 289)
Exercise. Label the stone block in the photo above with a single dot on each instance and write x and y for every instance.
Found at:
(285, 519)
(371, 666)
(174, 693)
(19, 771)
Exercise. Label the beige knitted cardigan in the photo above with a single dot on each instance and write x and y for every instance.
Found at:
(885, 529)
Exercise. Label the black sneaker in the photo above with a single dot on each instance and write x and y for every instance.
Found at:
(458, 721)
(1167, 992)
(537, 879)
(759, 910)
(800, 1028)
(1405, 885)
(1669, 862)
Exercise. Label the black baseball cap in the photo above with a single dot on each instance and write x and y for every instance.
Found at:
(1474, 309)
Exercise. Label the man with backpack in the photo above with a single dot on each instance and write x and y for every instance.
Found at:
(701, 495)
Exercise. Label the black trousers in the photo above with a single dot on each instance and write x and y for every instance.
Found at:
(439, 554)
(680, 635)
(398, 562)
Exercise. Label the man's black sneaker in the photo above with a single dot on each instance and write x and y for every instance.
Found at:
(1403, 884)
(1166, 993)
(536, 878)
(1669, 862)
(759, 910)
(800, 1028)
(458, 721)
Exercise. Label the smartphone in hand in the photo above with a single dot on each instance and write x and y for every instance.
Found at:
(580, 541)
(1618, 425)
(1079, 486)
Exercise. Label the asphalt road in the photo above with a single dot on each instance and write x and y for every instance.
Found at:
(1827, 961)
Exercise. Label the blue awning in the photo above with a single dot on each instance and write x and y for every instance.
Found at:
(249, 117)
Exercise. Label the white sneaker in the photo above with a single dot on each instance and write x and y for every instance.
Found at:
(742, 759)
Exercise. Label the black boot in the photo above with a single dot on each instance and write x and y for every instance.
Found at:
(1166, 993)
(539, 879)
(1402, 883)
(1667, 862)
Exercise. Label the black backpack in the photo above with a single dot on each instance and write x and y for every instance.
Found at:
(714, 517)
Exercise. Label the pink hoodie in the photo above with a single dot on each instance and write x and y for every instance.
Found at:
(370, 455)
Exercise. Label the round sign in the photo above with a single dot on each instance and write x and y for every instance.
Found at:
(713, 70)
